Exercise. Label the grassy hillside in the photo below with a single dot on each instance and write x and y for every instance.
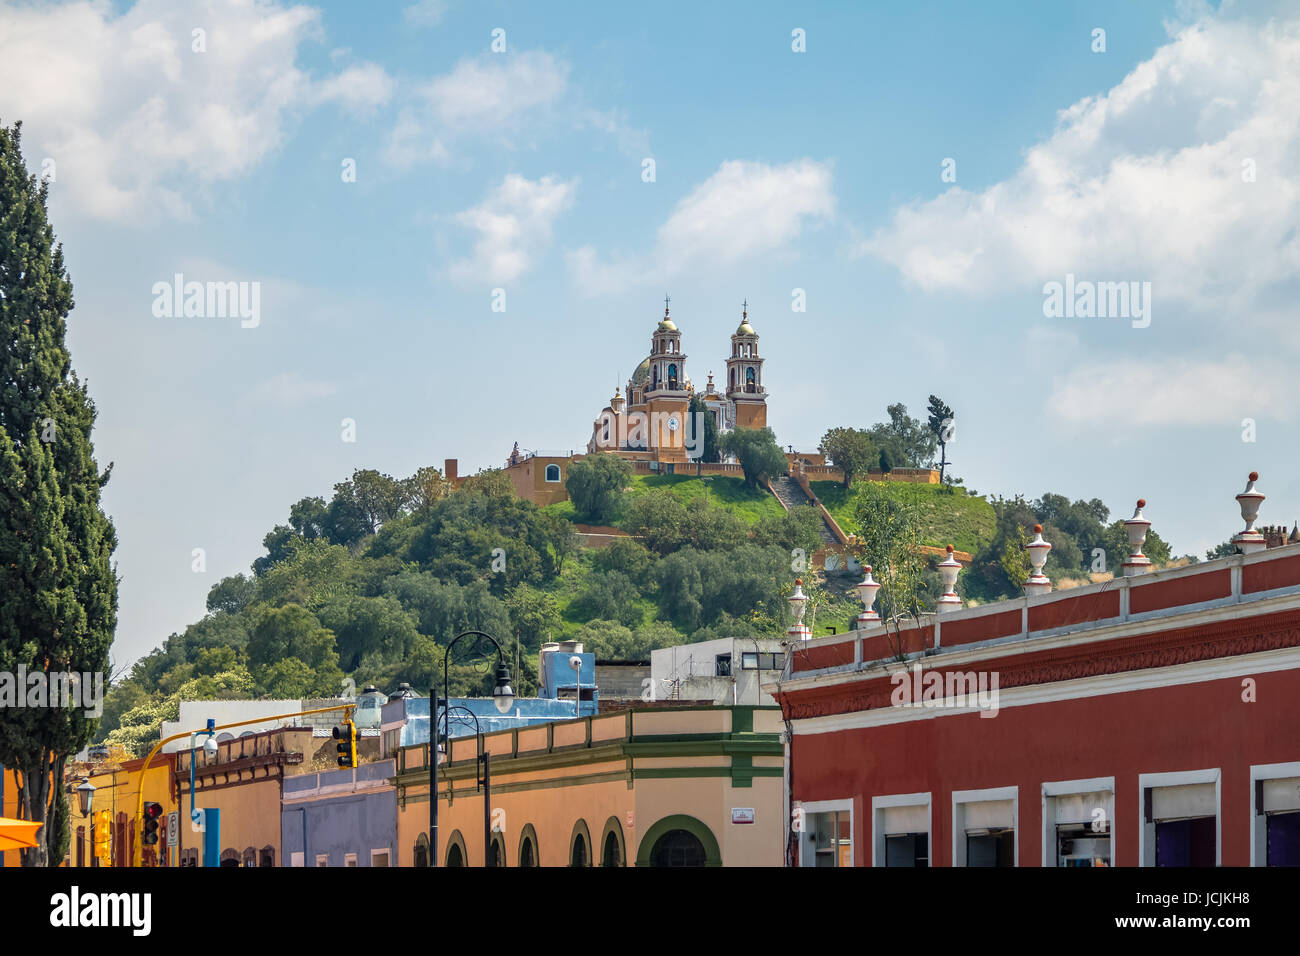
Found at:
(749, 503)
(948, 517)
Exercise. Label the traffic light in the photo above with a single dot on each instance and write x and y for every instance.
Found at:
(103, 848)
(152, 817)
(347, 746)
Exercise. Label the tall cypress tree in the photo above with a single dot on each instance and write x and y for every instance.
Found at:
(58, 588)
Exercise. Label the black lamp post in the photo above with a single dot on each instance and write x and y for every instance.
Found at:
(503, 696)
(86, 800)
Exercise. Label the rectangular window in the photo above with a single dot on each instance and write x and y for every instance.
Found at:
(1180, 818)
(1275, 815)
(749, 660)
(722, 665)
(901, 830)
(322, 859)
(349, 859)
(379, 858)
(826, 837)
(984, 827)
(1077, 822)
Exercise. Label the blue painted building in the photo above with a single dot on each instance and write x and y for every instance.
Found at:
(340, 817)
(566, 692)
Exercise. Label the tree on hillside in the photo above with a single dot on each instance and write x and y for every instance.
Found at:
(424, 488)
(851, 450)
(59, 588)
(595, 485)
(759, 455)
(903, 441)
(699, 413)
(940, 422)
(889, 539)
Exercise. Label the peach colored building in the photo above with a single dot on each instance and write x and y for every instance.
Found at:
(682, 787)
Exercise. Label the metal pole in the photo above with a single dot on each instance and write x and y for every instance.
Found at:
(433, 781)
(487, 807)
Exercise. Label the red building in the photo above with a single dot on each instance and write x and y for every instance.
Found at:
(1149, 720)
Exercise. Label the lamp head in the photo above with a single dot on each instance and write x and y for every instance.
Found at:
(503, 695)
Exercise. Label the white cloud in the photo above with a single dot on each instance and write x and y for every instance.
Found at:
(489, 95)
(492, 89)
(426, 13)
(744, 210)
(1141, 183)
(359, 89)
(136, 121)
(1175, 391)
(514, 225)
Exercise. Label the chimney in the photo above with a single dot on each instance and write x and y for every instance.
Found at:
(798, 631)
(543, 674)
(1038, 582)
(867, 593)
(449, 467)
(1249, 541)
(948, 569)
(1137, 527)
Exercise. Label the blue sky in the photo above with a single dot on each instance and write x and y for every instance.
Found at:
(774, 170)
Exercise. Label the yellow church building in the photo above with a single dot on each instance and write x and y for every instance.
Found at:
(648, 420)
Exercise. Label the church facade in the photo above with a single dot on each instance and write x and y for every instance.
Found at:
(649, 419)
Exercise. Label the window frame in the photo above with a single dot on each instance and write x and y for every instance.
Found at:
(1066, 788)
(879, 804)
(1178, 778)
(960, 798)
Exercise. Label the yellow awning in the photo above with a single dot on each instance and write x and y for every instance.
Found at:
(17, 834)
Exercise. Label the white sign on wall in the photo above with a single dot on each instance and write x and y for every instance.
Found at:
(742, 814)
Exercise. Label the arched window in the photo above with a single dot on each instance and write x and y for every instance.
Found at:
(230, 857)
(457, 855)
(250, 856)
(422, 851)
(268, 856)
(497, 851)
(528, 846)
(612, 855)
(579, 855)
(677, 848)
(672, 375)
(552, 472)
(749, 380)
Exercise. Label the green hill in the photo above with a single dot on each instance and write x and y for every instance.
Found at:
(949, 516)
(731, 493)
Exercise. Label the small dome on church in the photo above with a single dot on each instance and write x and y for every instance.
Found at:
(666, 325)
(745, 328)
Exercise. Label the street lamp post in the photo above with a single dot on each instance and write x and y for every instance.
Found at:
(503, 696)
(86, 801)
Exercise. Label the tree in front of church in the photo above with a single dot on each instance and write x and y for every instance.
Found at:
(940, 423)
(759, 455)
(699, 414)
(58, 583)
(595, 484)
(851, 450)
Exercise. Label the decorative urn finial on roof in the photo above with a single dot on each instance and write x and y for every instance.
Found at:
(1249, 541)
(948, 570)
(867, 589)
(1038, 582)
(1136, 527)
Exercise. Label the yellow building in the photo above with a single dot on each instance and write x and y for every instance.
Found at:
(245, 782)
(680, 786)
(117, 790)
(648, 420)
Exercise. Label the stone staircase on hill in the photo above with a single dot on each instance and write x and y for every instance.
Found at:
(789, 493)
